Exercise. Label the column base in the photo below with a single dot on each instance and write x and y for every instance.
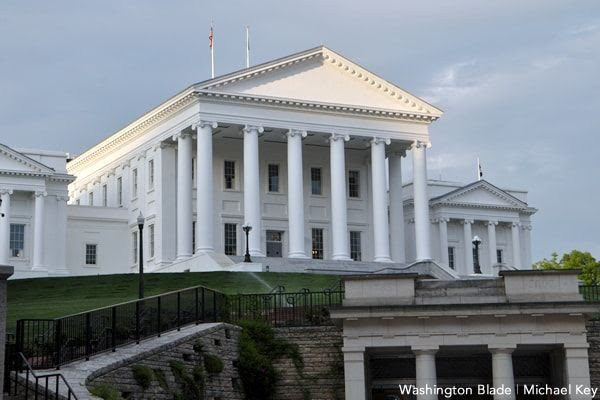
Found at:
(39, 268)
(383, 259)
(256, 253)
(183, 257)
(341, 257)
(205, 250)
(298, 255)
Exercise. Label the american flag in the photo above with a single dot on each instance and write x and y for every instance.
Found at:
(210, 38)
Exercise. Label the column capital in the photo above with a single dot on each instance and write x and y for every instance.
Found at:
(299, 132)
(378, 140)
(203, 124)
(516, 224)
(62, 198)
(165, 145)
(397, 153)
(526, 227)
(126, 164)
(339, 136)
(502, 349)
(468, 222)
(490, 223)
(40, 193)
(182, 134)
(6, 191)
(111, 172)
(444, 220)
(417, 144)
(425, 349)
(253, 128)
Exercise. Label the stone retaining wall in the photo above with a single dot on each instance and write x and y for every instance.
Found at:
(593, 337)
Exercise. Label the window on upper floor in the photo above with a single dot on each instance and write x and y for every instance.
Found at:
(134, 183)
(273, 175)
(104, 195)
(229, 174)
(316, 185)
(91, 199)
(150, 174)
(499, 256)
(17, 240)
(451, 260)
(354, 184)
(120, 191)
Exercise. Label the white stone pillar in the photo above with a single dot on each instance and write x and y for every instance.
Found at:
(468, 268)
(516, 245)
(204, 187)
(252, 212)
(354, 374)
(396, 208)
(492, 247)
(443, 227)
(421, 201)
(61, 235)
(184, 195)
(111, 188)
(339, 209)
(5, 226)
(576, 369)
(295, 194)
(526, 246)
(381, 229)
(426, 376)
(502, 372)
(38, 232)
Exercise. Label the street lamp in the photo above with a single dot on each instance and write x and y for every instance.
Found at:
(476, 243)
(140, 221)
(247, 228)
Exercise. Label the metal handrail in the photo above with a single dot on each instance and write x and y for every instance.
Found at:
(46, 377)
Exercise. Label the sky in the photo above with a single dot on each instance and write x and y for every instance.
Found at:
(519, 81)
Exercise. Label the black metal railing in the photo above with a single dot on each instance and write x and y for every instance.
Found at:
(303, 308)
(49, 343)
(590, 292)
(26, 384)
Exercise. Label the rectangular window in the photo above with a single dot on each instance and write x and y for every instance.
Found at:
(273, 178)
(499, 256)
(17, 240)
(193, 237)
(91, 253)
(134, 183)
(451, 257)
(151, 239)
(150, 174)
(231, 239)
(104, 195)
(78, 202)
(317, 243)
(354, 184)
(119, 191)
(134, 246)
(355, 246)
(229, 174)
(315, 181)
(91, 199)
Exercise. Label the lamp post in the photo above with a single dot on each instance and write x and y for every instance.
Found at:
(247, 228)
(140, 221)
(476, 243)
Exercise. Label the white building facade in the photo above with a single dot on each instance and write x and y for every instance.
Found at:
(307, 150)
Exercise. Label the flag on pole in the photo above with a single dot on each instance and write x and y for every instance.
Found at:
(479, 170)
(211, 43)
(247, 46)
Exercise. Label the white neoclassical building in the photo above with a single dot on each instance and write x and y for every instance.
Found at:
(308, 151)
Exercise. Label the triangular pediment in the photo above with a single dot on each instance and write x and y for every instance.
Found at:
(320, 76)
(480, 193)
(12, 161)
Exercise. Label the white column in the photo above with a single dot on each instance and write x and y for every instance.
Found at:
(204, 187)
(491, 227)
(126, 184)
(526, 246)
(576, 369)
(5, 226)
(396, 208)
(426, 376)
(339, 209)
(295, 194)
(421, 201)
(38, 232)
(61, 235)
(111, 188)
(184, 195)
(468, 238)
(443, 227)
(354, 374)
(381, 229)
(252, 213)
(516, 245)
(502, 372)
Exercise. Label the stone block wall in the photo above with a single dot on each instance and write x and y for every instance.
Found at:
(221, 341)
(323, 375)
(593, 337)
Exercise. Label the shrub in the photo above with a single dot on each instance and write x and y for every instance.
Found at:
(105, 392)
(198, 374)
(213, 364)
(162, 379)
(191, 390)
(143, 375)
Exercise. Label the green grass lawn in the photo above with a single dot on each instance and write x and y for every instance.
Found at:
(56, 297)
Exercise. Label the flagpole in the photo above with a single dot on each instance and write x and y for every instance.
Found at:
(247, 46)
(212, 51)
(478, 170)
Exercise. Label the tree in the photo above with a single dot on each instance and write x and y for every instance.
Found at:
(589, 266)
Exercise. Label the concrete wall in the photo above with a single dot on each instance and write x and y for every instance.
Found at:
(593, 336)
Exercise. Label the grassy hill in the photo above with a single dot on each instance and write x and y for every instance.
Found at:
(56, 297)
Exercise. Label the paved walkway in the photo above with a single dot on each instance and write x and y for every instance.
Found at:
(80, 372)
